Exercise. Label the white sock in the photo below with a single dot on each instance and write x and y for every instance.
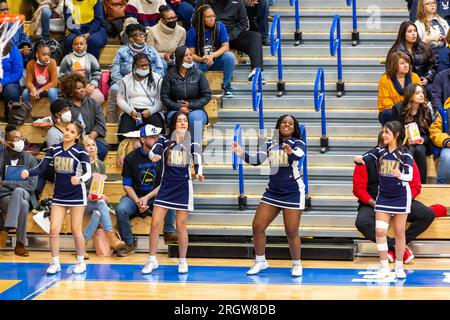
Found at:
(398, 264)
(152, 259)
(296, 262)
(385, 264)
(55, 260)
(80, 259)
(260, 258)
(183, 260)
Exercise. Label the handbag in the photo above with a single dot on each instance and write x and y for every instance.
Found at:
(104, 83)
(18, 112)
(101, 243)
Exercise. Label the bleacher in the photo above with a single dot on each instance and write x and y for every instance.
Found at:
(352, 126)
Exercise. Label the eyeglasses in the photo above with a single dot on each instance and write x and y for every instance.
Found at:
(210, 17)
(430, 3)
(17, 139)
(138, 34)
(171, 18)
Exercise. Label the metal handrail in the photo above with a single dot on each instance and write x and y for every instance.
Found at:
(303, 165)
(298, 37)
(275, 49)
(335, 49)
(238, 165)
(319, 104)
(257, 98)
(355, 32)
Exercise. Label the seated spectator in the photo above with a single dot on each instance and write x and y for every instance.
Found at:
(130, 143)
(186, 89)
(85, 17)
(440, 91)
(415, 109)
(430, 26)
(443, 9)
(85, 64)
(166, 36)
(123, 63)
(73, 88)
(114, 16)
(139, 97)
(20, 39)
(98, 209)
(46, 11)
(365, 188)
(423, 61)
(141, 180)
(392, 83)
(42, 76)
(258, 16)
(440, 136)
(16, 196)
(233, 15)
(209, 44)
(444, 55)
(12, 64)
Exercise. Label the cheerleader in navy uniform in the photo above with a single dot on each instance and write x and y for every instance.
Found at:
(286, 190)
(72, 170)
(394, 194)
(176, 191)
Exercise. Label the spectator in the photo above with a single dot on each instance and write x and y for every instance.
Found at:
(415, 109)
(422, 57)
(233, 15)
(12, 63)
(141, 180)
(166, 36)
(365, 188)
(98, 209)
(85, 64)
(123, 63)
(114, 16)
(440, 136)
(139, 97)
(73, 88)
(430, 26)
(440, 91)
(186, 89)
(444, 55)
(392, 83)
(42, 75)
(47, 10)
(209, 44)
(16, 196)
(85, 17)
(258, 15)
(443, 9)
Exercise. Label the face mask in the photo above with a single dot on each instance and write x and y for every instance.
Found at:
(79, 54)
(171, 24)
(138, 46)
(187, 65)
(39, 62)
(66, 116)
(18, 146)
(142, 73)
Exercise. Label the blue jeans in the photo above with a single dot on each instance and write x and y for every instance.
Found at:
(101, 214)
(197, 119)
(102, 149)
(52, 95)
(46, 14)
(185, 11)
(223, 63)
(11, 92)
(443, 174)
(127, 208)
(385, 116)
(262, 18)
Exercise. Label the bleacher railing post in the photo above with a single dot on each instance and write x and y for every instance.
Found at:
(275, 48)
(257, 98)
(304, 166)
(355, 32)
(319, 104)
(298, 37)
(237, 165)
(335, 49)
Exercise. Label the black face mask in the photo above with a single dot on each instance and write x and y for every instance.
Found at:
(171, 24)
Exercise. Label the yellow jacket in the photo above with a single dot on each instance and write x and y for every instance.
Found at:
(437, 136)
(387, 95)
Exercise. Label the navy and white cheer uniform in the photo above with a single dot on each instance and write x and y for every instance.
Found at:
(286, 188)
(394, 194)
(67, 163)
(176, 190)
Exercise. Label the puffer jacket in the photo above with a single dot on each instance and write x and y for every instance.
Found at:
(423, 60)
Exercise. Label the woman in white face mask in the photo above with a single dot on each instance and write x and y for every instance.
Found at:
(139, 97)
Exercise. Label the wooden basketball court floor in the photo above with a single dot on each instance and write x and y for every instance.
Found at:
(120, 278)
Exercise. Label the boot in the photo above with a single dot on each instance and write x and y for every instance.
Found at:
(114, 242)
(21, 250)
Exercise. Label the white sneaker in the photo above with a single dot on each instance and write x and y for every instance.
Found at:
(257, 267)
(79, 268)
(183, 268)
(297, 270)
(149, 267)
(383, 273)
(54, 268)
(43, 122)
(400, 273)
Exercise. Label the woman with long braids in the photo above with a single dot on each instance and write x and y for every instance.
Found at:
(393, 201)
(72, 170)
(209, 43)
(286, 190)
(139, 97)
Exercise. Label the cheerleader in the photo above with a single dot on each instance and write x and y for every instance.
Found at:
(72, 170)
(286, 190)
(394, 194)
(176, 191)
